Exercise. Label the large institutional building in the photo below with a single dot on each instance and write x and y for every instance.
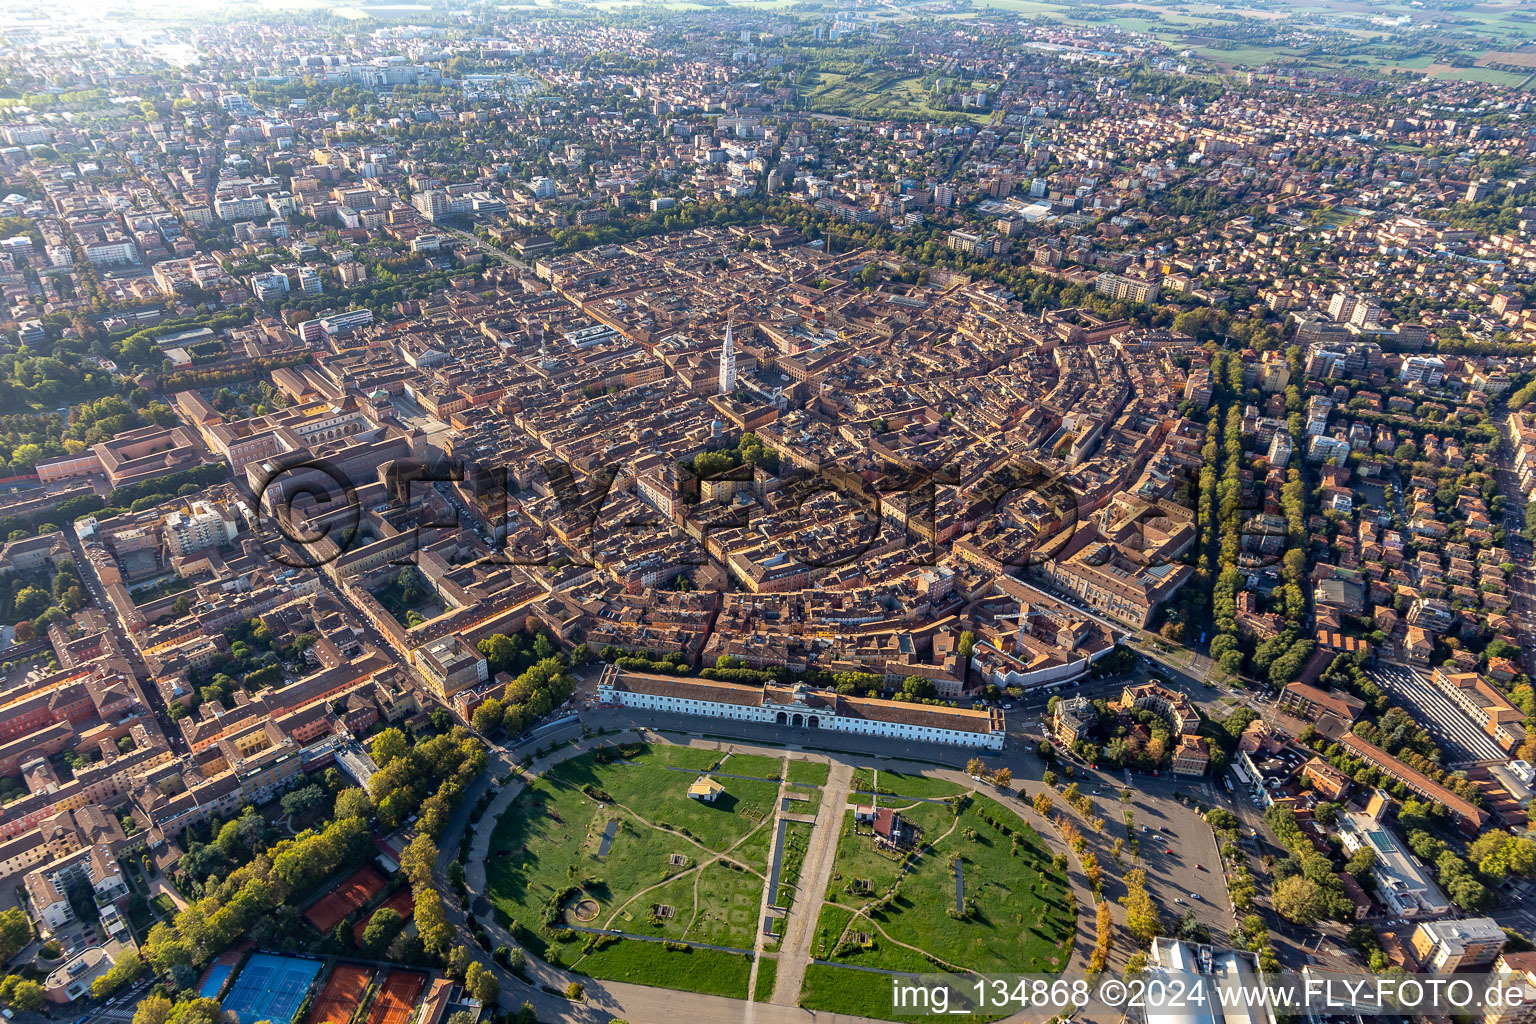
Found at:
(801, 707)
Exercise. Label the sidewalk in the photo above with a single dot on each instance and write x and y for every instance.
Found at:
(640, 1004)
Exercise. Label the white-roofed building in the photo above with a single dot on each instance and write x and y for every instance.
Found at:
(1220, 970)
(1404, 883)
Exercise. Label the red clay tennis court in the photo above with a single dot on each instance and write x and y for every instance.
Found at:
(402, 903)
(396, 1001)
(342, 995)
(356, 889)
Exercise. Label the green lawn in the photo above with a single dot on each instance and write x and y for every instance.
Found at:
(670, 756)
(753, 850)
(840, 990)
(548, 841)
(902, 784)
(767, 972)
(650, 963)
(797, 838)
(1020, 916)
(755, 765)
(809, 773)
(661, 795)
(829, 926)
(728, 917)
(809, 799)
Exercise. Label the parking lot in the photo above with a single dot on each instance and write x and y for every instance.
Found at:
(1188, 878)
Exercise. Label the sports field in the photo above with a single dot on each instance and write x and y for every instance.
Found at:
(396, 1001)
(271, 988)
(342, 995)
(356, 889)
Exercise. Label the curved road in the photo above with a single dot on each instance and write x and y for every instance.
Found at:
(640, 1003)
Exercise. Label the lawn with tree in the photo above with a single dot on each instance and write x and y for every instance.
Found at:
(1018, 913)
(705, 860)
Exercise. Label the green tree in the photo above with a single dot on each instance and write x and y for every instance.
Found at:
(481, 983)
(32, 602)
(153, 1009)
(353, 802)
(1142, 918)
(302, 801)
(381, 930)
(15, 932)
(388, 746)
(419, 859)
(129, 966)
(1299, 900)
(499, 651)
(28, 996)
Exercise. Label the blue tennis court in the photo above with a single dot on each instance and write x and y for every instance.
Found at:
(217, 975)
(271, 988)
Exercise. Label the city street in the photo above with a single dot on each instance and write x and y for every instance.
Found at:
(1190, 879)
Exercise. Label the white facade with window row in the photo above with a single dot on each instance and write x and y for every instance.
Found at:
(800, 707)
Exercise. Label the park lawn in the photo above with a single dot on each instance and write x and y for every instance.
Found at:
(767, 973)
(553, 826)
(669, 755)
(858, 857)
(902, 784)
(726, 914)
(650, 963)
(829, 928)
(809, 773)
(1024, 915)
(757, 766)
(753, 850)
(661, 797)
(882, 953)
(550, 828)
(806, 800)
(861, 994)
(635, 917)
(839, 990)
(797, 840)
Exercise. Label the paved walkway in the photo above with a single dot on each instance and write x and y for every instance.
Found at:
(641, 1003)
(158, 886)
(603, 999)
(815, 873)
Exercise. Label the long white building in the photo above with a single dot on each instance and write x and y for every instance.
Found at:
(800, 707)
